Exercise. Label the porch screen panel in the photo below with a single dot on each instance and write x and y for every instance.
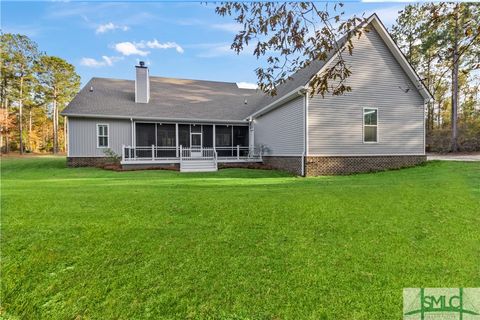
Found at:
(207, 136)
(223, 139)
(166, 140)
(240, 138)
(184, 135)
(144, 137)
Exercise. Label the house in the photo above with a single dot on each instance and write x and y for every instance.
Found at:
(197, 125)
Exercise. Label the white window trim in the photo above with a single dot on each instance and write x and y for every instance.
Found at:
(108, 135)
(363, 125)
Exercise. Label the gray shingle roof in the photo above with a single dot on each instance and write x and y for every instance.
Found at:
(172, 98)
(169, 99)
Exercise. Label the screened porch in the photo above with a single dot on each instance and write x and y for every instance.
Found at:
(172, 142)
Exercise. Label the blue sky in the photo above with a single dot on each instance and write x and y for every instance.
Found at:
(176, 39)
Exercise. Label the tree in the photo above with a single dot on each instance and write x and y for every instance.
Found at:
(59, 83)
(408, 31)
(292, 35)
(460, 28)
(19, 55)
(442, 40)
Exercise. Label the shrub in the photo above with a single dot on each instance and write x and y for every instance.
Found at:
(468, 138)
(112, 157)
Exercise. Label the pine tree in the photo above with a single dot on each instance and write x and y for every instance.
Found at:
(59, 83)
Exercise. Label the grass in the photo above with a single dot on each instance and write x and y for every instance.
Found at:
(236, 244)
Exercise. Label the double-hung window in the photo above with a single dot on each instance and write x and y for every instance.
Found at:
(102, 136)
(370, 125)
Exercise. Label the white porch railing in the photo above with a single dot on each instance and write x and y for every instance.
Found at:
(149, 153)
(197, 153)
(169, 154)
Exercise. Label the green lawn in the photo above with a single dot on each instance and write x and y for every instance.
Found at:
(237, 244)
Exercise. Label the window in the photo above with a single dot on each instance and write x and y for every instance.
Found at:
(102, 135)
(370, 125)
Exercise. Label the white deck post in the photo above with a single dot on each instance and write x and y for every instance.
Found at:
(123, 152)
(153, 152)
(181, 153)
(214, 138)
(238, 152)
(176, 139)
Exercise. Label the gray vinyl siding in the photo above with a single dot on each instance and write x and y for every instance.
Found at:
(335, 125)
(281, 130)
(82, 135)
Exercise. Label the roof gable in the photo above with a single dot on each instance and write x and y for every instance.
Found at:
(399, 56)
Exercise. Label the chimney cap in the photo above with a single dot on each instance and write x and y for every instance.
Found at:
(141, 64)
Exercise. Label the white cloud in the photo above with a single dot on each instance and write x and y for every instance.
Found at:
(388, 15)
(105, 61)
(30, 31)
(110, 27)
(138, 48)
(217, 51)
(167, 45)
(229, 27)
(247, 85)
(213, 50)
(129, 48)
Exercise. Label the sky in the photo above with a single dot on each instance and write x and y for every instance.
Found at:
(176, 39)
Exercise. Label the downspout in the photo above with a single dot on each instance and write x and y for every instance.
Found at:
(425, 105)
(305, 131)
(251, 135)
(67, 136)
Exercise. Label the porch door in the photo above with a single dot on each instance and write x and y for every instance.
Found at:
(196, 143)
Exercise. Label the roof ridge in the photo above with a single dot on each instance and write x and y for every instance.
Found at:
(171, 78)
(203, 80)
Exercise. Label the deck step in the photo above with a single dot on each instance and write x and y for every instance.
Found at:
(198, 166)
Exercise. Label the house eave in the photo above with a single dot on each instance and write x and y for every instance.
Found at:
(142, 118)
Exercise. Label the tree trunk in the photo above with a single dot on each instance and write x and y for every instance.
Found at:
(431, 104)
(29, 130)
(55, 129)
(454, 146)
(7, 140)
(4, 105)
(20, 116)
(3, 128)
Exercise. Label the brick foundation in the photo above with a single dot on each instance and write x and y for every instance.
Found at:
(316, 166)
(290, 164)
(75, 162)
